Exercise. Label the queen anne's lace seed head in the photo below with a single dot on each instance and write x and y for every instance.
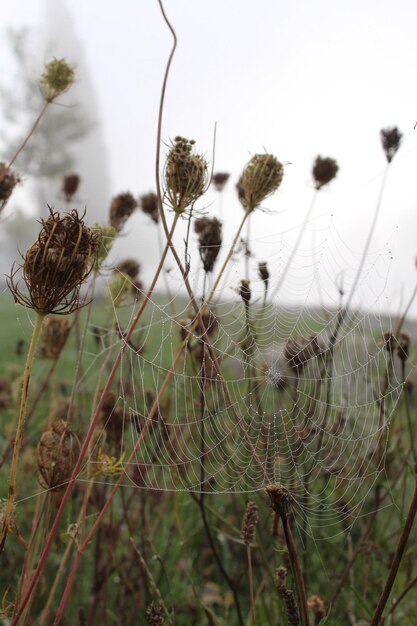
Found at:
(260, 179)
(186, 174)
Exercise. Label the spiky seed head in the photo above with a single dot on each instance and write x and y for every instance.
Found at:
(324, 170)
(121, 208)
(391, 140)
(186, 174)
(249, 523)
(316, 606)
(245, 291)
(57, 264)
(219, 180)
(57, 78)
(155, 615)
(54, 334)
(70, 184)
(209, 232)
(149, 205)
(8, 181)
(260, 179)
(57, 453)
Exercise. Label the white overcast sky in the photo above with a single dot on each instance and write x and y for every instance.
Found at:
(295, 78)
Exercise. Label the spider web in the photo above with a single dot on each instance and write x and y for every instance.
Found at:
(298, 395)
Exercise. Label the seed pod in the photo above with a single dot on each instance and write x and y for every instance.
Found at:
(324, 170)
(70, 184)
(261, 178)
(56, 265)
(149, 205)
(8, 181)
(245, 291)
(121, 208)
(57, 78)
(209, 239)
(263, 273)
(186, 175)
(55, 331)
(249, 523)
(219, 180)
(391, 140)
(57, 453)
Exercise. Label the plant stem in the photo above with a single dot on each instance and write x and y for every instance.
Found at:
(252, 597)
(8, 512)
(395, 564)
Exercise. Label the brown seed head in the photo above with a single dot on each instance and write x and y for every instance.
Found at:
(278, 499)
(57, 264)
(130, 267)
(121, 208)
(209, 232)
(298, 352)
(245, 291)
(263, 272)
(316, 605)
(70, 184)
(186, 175)
(155, 615)
(287, 596)
(57, 453)
(261, 178)
(55, 331)
(149, 205)
(389, 341)
(403, 347)
(391, 140)
(219, 180)
(57, 78)
(249, 523)
(324, 170)
(8, 181)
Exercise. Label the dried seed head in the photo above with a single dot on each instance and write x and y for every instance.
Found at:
(316, 605)
(287, 596)
(70, 184)
(261, 178)
(105, 236)
(219, 180)
(389, 341)
(403, 347)
(186, 174)
(278, 499)
(55, 331)
(8, 181)
(149, 205)
(391, 140)
(57, 453)
(263, 272)
(57, 78)
(209, 232)
(57, 264)
(121, 208)
(324, 170)
(130, 267)
(155, 615)
(245, 291)
(249, 523)
(298, 352)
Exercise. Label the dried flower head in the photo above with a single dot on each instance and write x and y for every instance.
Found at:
(261, 178)
(149, 205)
(278, 499)
(249, 523)
(121, 208)
(316, 606)
(245, 291)
(57, 453)
(186, 174)
(130, 267)
(287, 596)
(219, 180)
(105, 237)
(391, 140)
(70, 184)
(155, 615)
(57, 78)
(263, 272)
(54, 334)
(299, 351)
(324, 170)
(8, 181)
(209, 232)
(57, 264)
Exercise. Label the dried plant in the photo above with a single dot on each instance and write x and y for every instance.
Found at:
(56, 79)
(70, 184)
(122, 207)
(391, 141)
(54, 334)
(8, 181)
(149, 205)
(324, 170)
(186, 175)
(209, 232)
(57, 452)
(219, 180)
(261, 178)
